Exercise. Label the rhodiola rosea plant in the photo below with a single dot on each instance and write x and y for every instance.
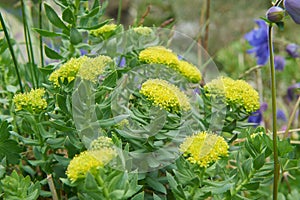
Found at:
(106, 112)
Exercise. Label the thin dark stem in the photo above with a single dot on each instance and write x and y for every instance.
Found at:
(207, 15)
(29, 46)
(274, 109)
(11, 52)
(119, 12)
(278, 2)
(41, 38)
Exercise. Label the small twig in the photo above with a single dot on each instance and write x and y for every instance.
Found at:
(250, 70)
(167, 22)
(52, 187)
(146, 13)
(291, 118)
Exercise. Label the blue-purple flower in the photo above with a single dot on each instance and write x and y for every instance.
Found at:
(291, 91)
(292, 50)
(280, 115)
(257, 116)
(279, 63)
(293, 8)
(258, 38)
(121, 61)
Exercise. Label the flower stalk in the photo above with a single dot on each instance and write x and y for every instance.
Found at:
(11, 52)
(273, 90)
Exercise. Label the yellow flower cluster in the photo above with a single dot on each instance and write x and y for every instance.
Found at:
(93, 67)
(165, 95)
(101, 142)
(107, 28)
(68, 70)
(204, 148)
(142, 30)
(236, 92)
(89, 161)
(161, 55)
(32, 101)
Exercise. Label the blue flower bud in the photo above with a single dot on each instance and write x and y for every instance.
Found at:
(275, 14)
(293, 8)
(292, 50)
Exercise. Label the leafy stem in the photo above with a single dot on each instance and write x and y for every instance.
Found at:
(273, 90)
(101, 183)
(244, 182)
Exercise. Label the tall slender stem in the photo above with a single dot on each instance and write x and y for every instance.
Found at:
(11, 52)
(119, 12)
(273, 90)
(207, 15)
(41, 38)
(29, 46)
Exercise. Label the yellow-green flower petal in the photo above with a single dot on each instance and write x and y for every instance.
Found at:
(236, 92)
(204, 148)
(165, 95)
(101, 142)
(32, 101)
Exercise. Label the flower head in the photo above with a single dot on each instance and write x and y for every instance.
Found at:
(204, 148)
(93, 67)
(258, 39)
(158, 55)
(280, 115)
(68, 70)
(189, 71)
(101, 142)
(102, 31)
(279, 63)
(89, 161)
(161, 55)
(143, 30)
(292, 50)
(237, 92)
(293, 8)
(275, 14)
(291, 91)
(32, 101)
(165, 95)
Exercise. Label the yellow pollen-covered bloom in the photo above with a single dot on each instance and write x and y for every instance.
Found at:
(236, 92)
(68, 70)
(158, 55)
(165, 95)
(32, 101)
(204, 148)
(142, 30)
(107, 28)
(88, 161)
(189, 71)
(93, 67)
(162, 55)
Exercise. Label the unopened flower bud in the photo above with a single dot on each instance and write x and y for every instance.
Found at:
(275, 14)
(293, 8)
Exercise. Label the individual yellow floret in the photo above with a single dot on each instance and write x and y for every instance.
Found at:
(32, 101)
(165, 95)
(204, 148)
